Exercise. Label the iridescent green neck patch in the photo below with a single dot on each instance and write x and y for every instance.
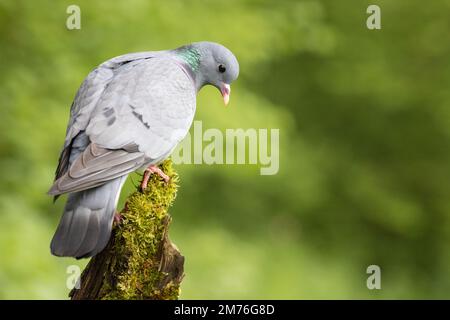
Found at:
(191, 56)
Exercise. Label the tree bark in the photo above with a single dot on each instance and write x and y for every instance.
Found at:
(140, 261)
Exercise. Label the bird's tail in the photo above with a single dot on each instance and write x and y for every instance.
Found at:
(85, 227)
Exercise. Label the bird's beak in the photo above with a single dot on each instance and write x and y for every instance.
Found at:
(225, 89)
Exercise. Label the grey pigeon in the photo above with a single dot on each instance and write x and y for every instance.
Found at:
(129, 114)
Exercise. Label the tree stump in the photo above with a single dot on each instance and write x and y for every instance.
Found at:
(139, 262)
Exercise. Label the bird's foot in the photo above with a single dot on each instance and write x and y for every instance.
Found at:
(149, 171)
(118, 217)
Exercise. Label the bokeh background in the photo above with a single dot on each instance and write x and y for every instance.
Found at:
(364, 119)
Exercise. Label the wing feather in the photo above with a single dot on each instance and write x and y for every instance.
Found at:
(95, 166)
(87, 98)
(123, 119)
(150, 105)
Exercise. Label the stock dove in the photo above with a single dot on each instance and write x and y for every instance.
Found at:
(128, 114)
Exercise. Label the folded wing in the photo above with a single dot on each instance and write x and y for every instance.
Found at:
(95, 166)
(139, 117)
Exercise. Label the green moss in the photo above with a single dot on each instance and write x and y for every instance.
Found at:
(133, 269)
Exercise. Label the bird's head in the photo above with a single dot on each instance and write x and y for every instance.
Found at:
(210, 63)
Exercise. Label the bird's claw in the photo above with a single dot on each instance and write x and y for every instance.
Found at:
(118, 217)
(149, 171)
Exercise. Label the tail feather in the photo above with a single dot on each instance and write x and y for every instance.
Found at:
(91, 237)
(85, 227)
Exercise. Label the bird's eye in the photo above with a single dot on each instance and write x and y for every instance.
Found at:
(222, 68)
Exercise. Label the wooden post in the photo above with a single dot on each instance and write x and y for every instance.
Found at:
(140, 261)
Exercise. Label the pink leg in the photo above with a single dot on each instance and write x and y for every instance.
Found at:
(117, 217)
(149, 171)
(144, 182)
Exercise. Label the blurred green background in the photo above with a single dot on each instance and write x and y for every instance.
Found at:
(364, 119)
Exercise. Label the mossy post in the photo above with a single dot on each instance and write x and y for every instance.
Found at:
(139, 262)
